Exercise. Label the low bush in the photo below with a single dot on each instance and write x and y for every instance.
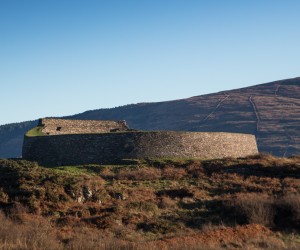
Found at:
(35, 234)
(143, 206)
(166, 202)
(172, 173)
(288, 211)
(256, 208)
(282, 212)
(140, 174)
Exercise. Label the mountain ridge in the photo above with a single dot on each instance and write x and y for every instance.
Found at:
(271, 111)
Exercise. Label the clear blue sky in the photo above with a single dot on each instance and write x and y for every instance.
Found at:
(61, 57)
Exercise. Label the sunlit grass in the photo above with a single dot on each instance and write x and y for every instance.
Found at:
(37, 131)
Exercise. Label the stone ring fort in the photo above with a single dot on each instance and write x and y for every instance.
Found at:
(74, 142)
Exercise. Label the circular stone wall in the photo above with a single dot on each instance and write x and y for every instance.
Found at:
(76, 149)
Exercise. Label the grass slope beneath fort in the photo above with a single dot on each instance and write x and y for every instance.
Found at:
(251, 203)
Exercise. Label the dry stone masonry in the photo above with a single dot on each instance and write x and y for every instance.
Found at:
(73, 142)
(61, 126)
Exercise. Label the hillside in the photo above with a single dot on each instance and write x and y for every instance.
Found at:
(11, 138)
(250, 203)
(271, 111)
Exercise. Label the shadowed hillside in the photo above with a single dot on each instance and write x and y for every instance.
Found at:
(271, 111)
(11, 138)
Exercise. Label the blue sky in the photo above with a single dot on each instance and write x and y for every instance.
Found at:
(61, 57)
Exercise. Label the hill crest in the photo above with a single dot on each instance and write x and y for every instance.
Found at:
(271, 111)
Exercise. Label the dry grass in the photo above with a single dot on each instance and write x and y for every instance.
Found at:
(167, 203)
(139, 174)
(173, 173)
(256, 207)
(30, 234)
(292, 202)
(151, 205)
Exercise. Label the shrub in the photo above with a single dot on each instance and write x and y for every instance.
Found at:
(139, 174)
(107, 174)
(86, 238)
(288, 210)
(167, 202)
(173, 173)
(196, 170)
(176, 193)
(255, 207)
(146, 206)
(158, 226)
(31, 234)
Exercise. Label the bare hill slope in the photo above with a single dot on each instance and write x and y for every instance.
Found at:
(271, 111)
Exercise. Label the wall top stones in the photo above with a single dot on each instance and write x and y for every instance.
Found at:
(51, 126)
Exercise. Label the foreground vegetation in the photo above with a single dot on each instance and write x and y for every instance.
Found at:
(251, 203)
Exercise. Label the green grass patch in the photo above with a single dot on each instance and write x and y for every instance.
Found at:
(77, 170)
(37, 131)
(90, 169)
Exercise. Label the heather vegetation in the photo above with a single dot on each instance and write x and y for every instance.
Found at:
(249, 203)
